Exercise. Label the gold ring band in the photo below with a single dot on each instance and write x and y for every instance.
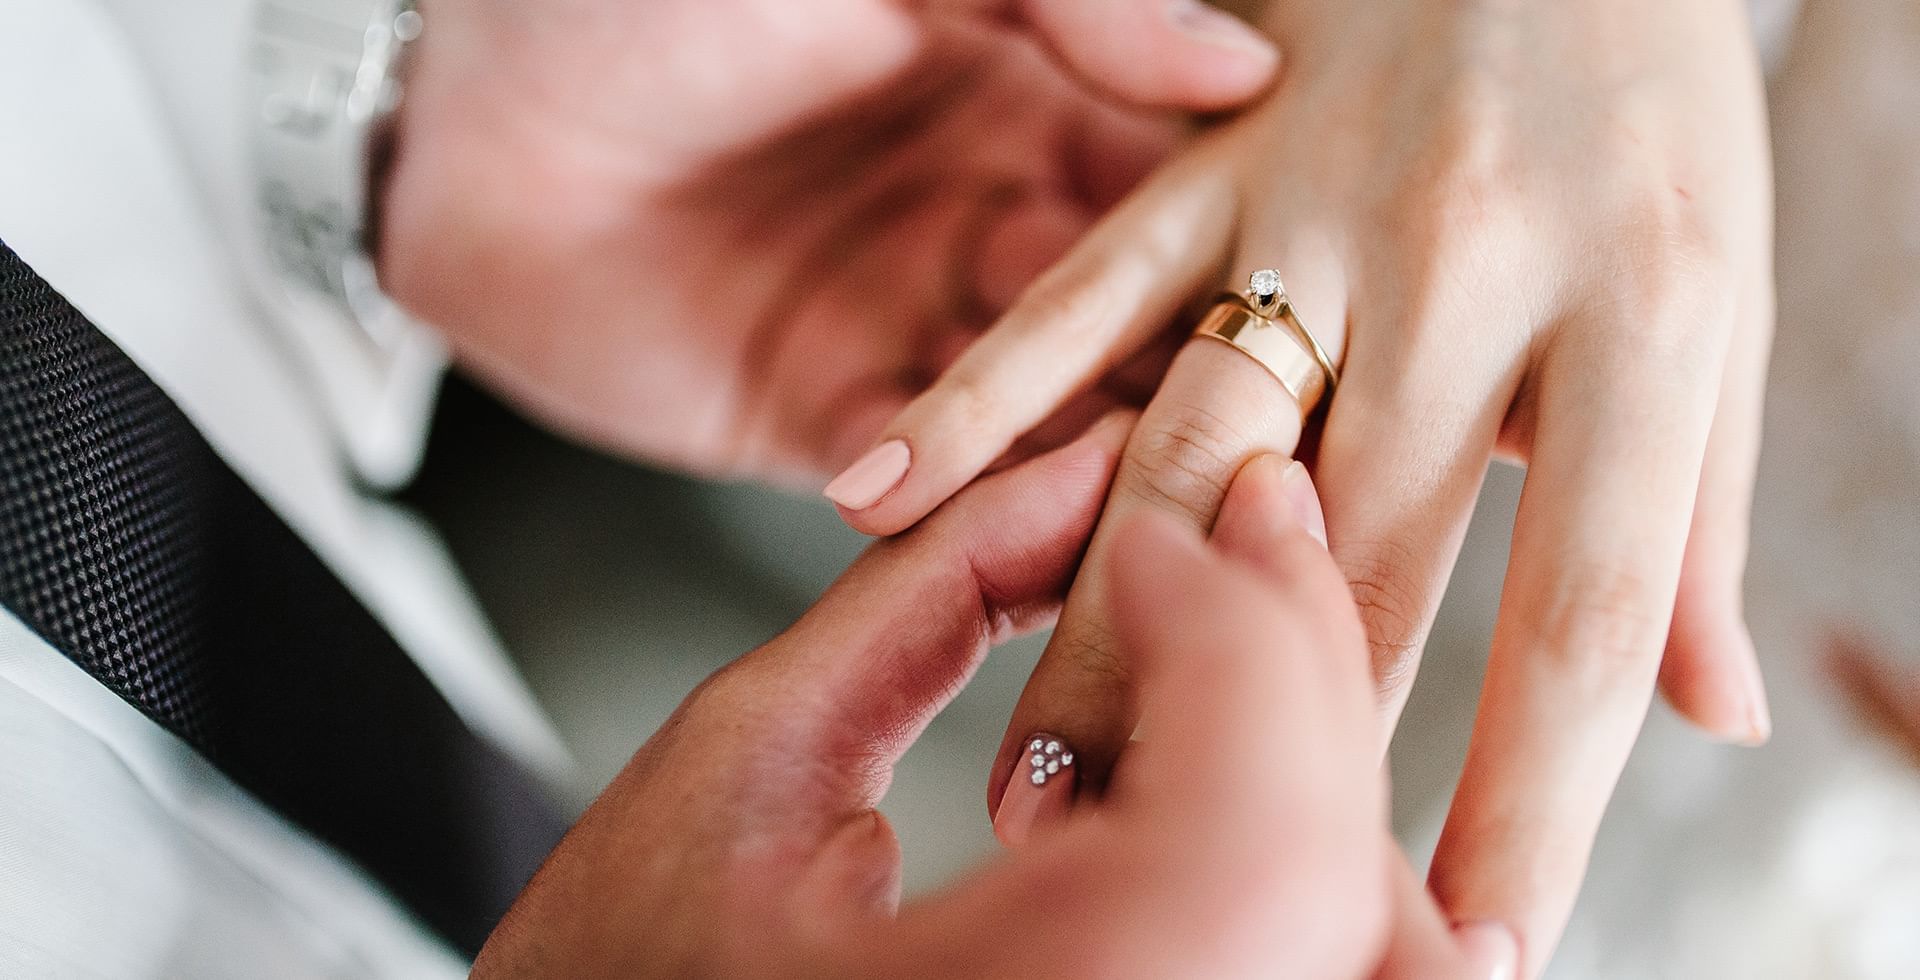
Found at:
(1262, 325)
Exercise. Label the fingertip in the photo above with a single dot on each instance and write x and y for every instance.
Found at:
(1039, 793)
(871, 477)
(1271, 501)
(1711, 676)
(1184, 54)
(1490, 950)
(1230, 61)
(917, 492)
(1252, 54)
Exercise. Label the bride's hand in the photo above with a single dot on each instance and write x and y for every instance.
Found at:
(1540, 231)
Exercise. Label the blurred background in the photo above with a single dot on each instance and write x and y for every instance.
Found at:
(618, 588)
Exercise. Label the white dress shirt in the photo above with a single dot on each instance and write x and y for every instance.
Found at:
(122, 853)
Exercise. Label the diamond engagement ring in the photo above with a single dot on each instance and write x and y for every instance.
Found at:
(1261, 324)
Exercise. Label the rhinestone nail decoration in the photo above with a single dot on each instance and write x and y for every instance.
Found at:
(1046, 757)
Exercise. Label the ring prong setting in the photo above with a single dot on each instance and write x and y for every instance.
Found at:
(1266, 292)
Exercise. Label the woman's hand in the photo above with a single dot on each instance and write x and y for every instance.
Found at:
(1245, 839)
(1537, 230)
(737, 235)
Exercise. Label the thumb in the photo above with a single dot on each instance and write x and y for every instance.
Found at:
(901, 632)
(1179, 54)
(1271, 499)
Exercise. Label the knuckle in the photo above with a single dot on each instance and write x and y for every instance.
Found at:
(1185, 461)
(1055, 304)
(1669, 309)
(1094, 654)
(1392, 611)
(973, 404)
(1604, 626)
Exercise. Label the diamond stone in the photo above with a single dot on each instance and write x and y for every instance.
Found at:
(1037, 761)
(1039, 777)
(1036, 745)
(1053, 747)
(1053, 767)
(1266, 282)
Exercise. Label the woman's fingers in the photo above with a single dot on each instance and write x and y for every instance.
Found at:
(1589, 594)
(1179, 54)
(1711, 673)
(1401, 459)
(1083, 317)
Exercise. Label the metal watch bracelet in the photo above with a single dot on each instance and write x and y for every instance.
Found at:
(325, 83)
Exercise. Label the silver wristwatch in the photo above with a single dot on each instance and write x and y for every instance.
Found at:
(325, 81)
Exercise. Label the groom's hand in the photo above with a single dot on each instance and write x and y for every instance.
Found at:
(743, 836)
(737, 235)
(1245, 837)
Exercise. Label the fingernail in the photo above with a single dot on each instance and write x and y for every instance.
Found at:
(1210, 25)
(1039, 793)
(873, 476)
(1305, 500)
(1490, 949)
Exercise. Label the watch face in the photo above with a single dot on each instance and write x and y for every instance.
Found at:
(324, 84)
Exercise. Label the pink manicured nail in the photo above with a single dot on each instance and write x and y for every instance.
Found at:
(875, 475)
(1491, 951)
(1306, 501)
(1040, 791)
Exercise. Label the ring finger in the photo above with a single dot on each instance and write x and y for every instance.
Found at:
(1217, 409)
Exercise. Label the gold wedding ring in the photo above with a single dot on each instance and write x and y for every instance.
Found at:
(1261, 324)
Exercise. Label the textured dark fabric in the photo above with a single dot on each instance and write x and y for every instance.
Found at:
(128, 545)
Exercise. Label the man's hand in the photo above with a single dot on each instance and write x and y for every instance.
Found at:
(1245, 837)
(737, 235)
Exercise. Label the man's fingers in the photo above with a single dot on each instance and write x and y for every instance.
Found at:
(1217, 409)
(1271, 498)
(901, 631)
(1085, 316)
(1589, 594)
(1257, 766)
(1711, 672)
(1269, 506)
(1249, 834)
(1231, 644)
(1179, 54)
